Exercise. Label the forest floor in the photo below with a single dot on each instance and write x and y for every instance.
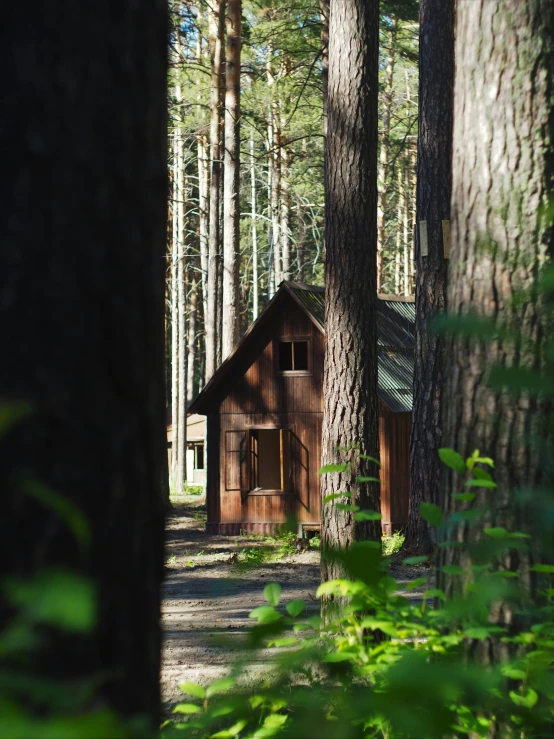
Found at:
(213, 582)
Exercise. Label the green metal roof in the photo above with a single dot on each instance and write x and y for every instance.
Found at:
(395, 341)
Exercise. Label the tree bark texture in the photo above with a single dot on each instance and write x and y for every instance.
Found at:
(502, 178)
(434, 185)
(350, 376)
(82, 234)
(285, 213)
(231, 182)
(255, 285)
(180, 433)
(216, 32)
(192, 331)
(175, 301)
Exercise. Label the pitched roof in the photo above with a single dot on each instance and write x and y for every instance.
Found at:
(395, 341)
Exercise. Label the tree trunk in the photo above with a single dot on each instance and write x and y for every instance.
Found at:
(324, 20)
(434, 168)
(175, 301)
(216, 29)
(231, 189)
(350, 381)
(384, 153)
(285, 213)
(192, 330)
(180, 433)
(82, 229)
(203, 199)
(502, 174)
(255, 278)
(405, 226)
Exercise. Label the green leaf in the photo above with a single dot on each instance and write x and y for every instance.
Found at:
(481, 474)
(415, 560)
(413, 584)
(219, 686)
(484, 460)
(547, 569)
(368, 479)
(232, 731)
(431, 513)
(497, 532)
(55, 597)
(480, 633)
(333, 468)
(187, 708)
(339, 657)
(367, 516)
(347, 508)
(371, 459)
(453, 460)
(452, 570)
(489, 484)
(527, 701)
(265, 614)
(513, 674)
(197, 691)
(64, 507)
(335, 496)
(463, 496)
(435, 593)
(287, 641)
(11, 413)
(272, 593)
(295, 607)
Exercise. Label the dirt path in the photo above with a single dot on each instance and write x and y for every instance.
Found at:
(207, 596)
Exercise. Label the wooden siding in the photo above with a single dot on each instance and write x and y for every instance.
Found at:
(259, 396)
(394, 449)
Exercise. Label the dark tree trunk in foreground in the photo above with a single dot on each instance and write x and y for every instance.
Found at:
(350, 383)
(82, 235)
(502, 176)
(434, 168)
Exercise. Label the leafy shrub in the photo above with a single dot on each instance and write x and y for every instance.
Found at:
(391, 665)
(392, 543)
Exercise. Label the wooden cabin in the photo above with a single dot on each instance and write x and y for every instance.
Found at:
(264, 408)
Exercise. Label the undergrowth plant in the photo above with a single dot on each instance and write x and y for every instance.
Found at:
(391, 666)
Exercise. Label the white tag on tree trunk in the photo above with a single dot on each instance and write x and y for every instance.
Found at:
(446, 238)
(423, 239)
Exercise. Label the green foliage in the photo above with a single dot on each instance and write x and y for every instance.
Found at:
(392, 543)
(391, 663)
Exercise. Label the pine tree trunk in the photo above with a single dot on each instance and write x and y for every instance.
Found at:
(350, 381)
(82, 229)
(180, 432)
(383, 155)
(231, 189)
(397, 259)
(203, 198)
(324, 20)
(405, 229)
(255, 277)
(285, 213)
(434, 167)
(192, 331)
(175, 302)
(502, 173)
(216, 29)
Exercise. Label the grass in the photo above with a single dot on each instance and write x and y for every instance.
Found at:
(392, 543)
(273, 548)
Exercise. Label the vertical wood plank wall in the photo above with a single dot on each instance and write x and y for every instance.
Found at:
(259, 396)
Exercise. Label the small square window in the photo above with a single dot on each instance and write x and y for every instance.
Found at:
(293, 356)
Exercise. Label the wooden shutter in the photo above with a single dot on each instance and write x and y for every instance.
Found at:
(236, 460)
